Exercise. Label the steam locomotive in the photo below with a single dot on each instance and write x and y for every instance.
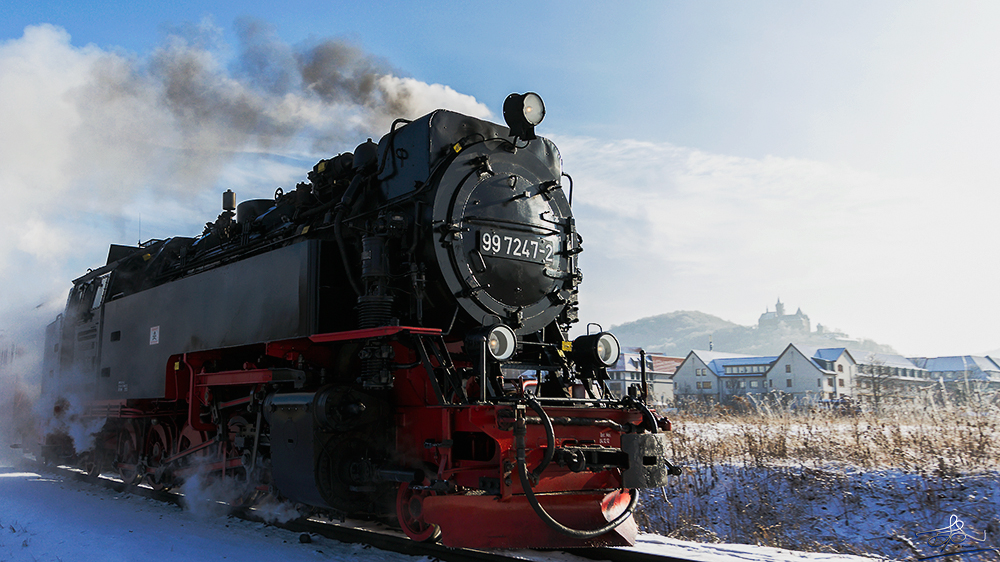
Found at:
(387, 340)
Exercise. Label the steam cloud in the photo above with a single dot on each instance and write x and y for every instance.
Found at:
(92, 138)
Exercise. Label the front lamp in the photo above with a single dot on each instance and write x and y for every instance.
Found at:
(598, 350)
(501, 342)
(522, 112)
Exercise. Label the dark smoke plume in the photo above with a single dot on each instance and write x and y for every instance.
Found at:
(102, 147)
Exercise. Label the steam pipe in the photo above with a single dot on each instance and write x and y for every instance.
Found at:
(338, 232)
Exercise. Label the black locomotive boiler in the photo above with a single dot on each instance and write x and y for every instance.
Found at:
(388, 340)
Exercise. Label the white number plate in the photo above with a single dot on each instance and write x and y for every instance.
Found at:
(513, 246)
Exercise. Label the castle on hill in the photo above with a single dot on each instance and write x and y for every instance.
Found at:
(798, 322)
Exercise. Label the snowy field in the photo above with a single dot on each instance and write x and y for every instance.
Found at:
(47, 518)
(894, 514)
(907, 487)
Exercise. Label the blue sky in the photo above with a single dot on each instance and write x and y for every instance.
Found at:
(838, 155)
(686, 71)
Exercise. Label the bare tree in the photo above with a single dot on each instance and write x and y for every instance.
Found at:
(879, 377)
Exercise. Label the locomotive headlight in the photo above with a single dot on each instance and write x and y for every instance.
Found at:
(600, 350)
(534, 109)
(500, 342)
(522, 112)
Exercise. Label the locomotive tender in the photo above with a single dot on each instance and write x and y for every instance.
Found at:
(388, 340)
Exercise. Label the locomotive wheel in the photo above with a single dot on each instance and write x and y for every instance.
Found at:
(127, 455)
(190, 438)
(344, 474)
(409, 512)
(248, 482)
(157, 448)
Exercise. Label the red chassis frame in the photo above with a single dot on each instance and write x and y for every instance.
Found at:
(467, 446)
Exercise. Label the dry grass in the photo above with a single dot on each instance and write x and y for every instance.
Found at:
(820, 481)
(946, 440)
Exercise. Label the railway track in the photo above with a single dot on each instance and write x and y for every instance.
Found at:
(383, 539)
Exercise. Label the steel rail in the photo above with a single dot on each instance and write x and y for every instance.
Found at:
(384, 540)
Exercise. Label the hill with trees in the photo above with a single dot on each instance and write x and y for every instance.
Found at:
(677, 333)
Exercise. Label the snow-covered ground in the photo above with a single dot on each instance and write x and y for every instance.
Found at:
(878, 487)
(900, 515)
(50, 518)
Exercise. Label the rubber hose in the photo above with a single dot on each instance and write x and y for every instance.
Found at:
(522, 473)
(647, 415)
(550, 436)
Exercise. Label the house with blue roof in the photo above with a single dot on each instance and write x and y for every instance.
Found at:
(700, 374)
(956, 371)
(888, 374)
(806, 374)
(802, 374)
(743, 375)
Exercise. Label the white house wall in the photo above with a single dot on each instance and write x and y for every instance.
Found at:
(793, 373)
(687, 380)
(792, 365)
(847, 376)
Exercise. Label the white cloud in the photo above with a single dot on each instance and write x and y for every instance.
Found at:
(670, 228)
(96, 142)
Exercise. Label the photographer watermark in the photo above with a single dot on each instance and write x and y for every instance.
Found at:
(953, 534)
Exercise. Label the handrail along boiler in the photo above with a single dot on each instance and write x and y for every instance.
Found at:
(389, 339)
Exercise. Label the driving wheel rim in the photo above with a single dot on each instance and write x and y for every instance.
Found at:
(409, 511)
(128, 456)
(157, 450)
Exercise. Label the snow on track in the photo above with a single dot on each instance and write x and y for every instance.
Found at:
(50, 518)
